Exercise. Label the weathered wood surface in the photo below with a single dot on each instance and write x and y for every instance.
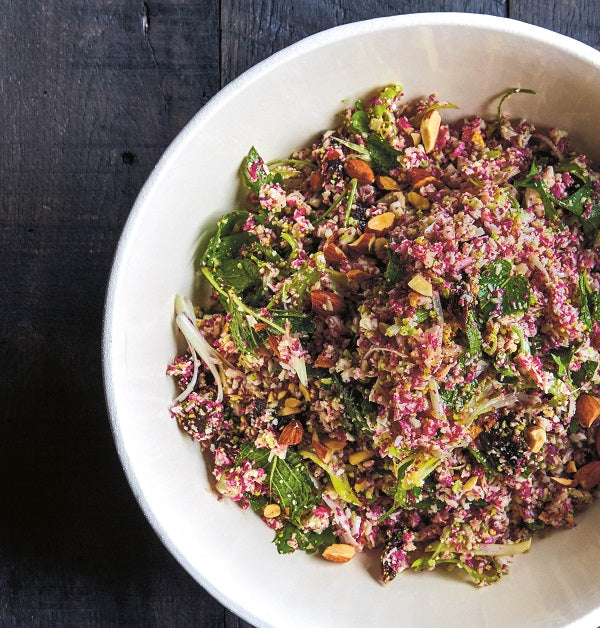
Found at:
(91, 93)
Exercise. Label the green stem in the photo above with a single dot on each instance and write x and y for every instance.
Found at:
(331, 208)
(351, 195)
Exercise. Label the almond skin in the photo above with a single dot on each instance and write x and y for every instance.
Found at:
(315, 181)
(588, 476)
(325, 302)
(419, 177)
(359, 170)
(339, 553)
(364, 244)
(358, 275)
(382, 223)
(323, 362)
(587, 410)
(333, 253)
(291, 433)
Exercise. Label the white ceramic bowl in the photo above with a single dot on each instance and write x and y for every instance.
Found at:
(280, 105)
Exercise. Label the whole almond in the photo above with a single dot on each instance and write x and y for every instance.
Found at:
(323, 362)
(382, 223)
(363, 244)
(333, 253)
(291, 433)
(587, 409)
(359, 170)
(430, 128)
(325, 302)
(386, 183)
(419, 177)
(358, 275)
(339, 553)
(315, 181)
(588, 476)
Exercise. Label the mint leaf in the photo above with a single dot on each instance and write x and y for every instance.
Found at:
(473, 335)
(300, 322)
(585, 373)
(357, 408)
(384, 156)
(290, 484)
(255, 172)
(517, 294)
(308, 541)
(493, 276)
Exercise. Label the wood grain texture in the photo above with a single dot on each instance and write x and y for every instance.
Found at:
(91, 93)
(579, 19)
(254, 29)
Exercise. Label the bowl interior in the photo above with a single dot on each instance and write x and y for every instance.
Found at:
(278, 106)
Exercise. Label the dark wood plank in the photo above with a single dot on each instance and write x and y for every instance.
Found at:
(91, 93)
(254, 29)
(579, 19)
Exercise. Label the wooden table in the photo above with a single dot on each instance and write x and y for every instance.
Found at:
(91, 93)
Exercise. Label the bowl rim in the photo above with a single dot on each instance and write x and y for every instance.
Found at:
(331, 35)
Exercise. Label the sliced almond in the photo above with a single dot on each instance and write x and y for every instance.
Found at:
(535, 437)
(382, 223)
(305, 392)
(322, 452)
(325, 302)
(288, 411)
(571, 467)
(358, 275)
(419, 284)
(587, 409)
(430, 128)
(419, 177)
(339, 553)
(359, 170)
(588, 476)
(291, 433)
(416, 138)
(363, 244)
(334, 444)
(386, 183)
(563, 481)
(333, 253)
(470, 484)
(292, 402)
(271, 511)
(357, 457)
(380, 248)
(323, 362)
(418, 201)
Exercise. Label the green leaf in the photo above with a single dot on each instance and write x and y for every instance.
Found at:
(360, 121)
(493, 277)
(585, 373)
(308, 541)
(589, 301)
(255, 172)
(357, 408)
(507, 94)
(563, 357)
(473, 335)
(290, 483)
(393, 270)
(300, 322)
(340, 483)
(436, 106)
(240, 274)
(225, 243)
(384, 156)
(517, 295)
